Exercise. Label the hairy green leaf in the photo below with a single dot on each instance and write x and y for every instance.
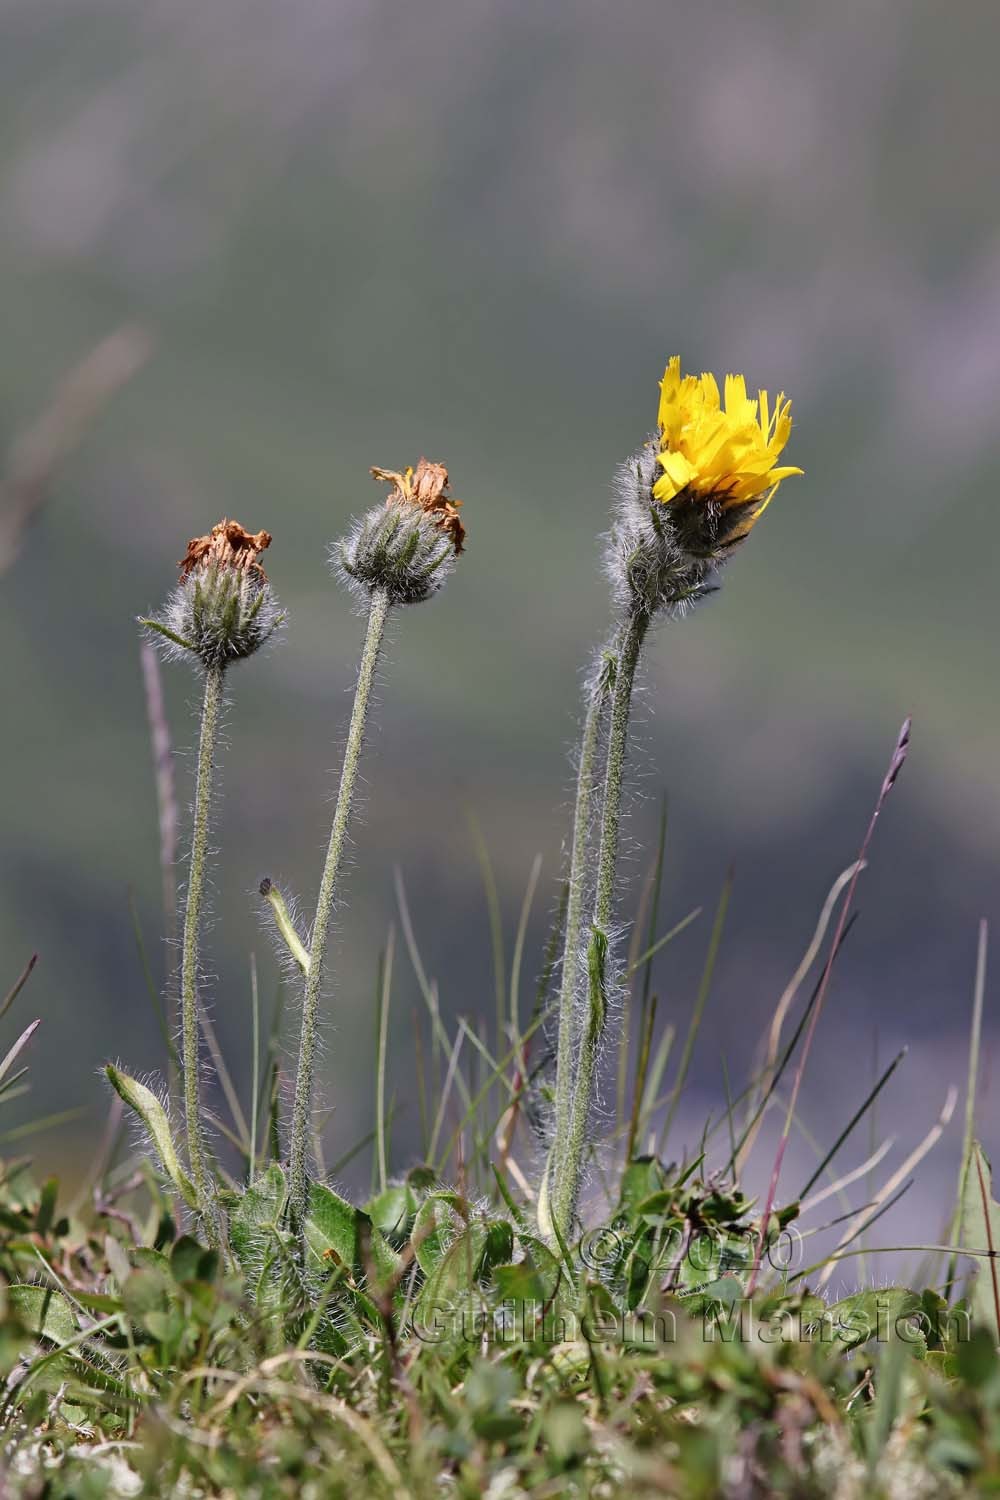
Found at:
(153, 1115)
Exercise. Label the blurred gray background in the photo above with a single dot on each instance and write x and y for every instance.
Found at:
(361, 231)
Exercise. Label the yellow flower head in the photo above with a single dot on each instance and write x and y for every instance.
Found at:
(721, 451)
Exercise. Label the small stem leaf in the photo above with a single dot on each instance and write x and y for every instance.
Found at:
(153, 1115)
(285, 925)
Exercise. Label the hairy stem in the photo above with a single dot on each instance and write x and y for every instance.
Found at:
(621, 710)
(207, 744)
(576, 890)
(569, 1159)
(302, 1108)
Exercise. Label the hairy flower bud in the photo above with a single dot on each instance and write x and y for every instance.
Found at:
(648, 566)
(223, 608)
(408, 546)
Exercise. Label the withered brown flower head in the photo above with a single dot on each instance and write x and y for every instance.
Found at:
(228, 545)
(425, 487)
(223, 608)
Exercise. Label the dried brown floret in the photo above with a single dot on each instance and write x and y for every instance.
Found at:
(228, 545)
(425, 486)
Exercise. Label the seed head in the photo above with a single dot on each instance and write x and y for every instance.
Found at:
(408, 545)
(223, 608)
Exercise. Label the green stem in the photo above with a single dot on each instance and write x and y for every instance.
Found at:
(302, 1108)
(569, 1161)
(621, 710)
(576, 886)
(207, 744)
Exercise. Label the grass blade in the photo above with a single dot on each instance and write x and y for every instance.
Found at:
(18, 986)
(385, 986)
(699, 1007)
(18, 1048)
(496, 924)
(519, 940)
(787, 998)
(896, 763)
(915, 1157)
(854, 1120)
(979, 991)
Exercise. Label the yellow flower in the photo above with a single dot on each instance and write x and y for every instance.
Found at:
(725, 452)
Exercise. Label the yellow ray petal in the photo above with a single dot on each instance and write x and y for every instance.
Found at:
(678, 471)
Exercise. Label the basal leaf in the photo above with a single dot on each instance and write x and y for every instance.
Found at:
(335, 1232)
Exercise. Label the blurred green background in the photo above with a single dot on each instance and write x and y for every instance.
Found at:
(359, 232)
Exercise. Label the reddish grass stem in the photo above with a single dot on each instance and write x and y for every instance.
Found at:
(895, 766)
(166, 794)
